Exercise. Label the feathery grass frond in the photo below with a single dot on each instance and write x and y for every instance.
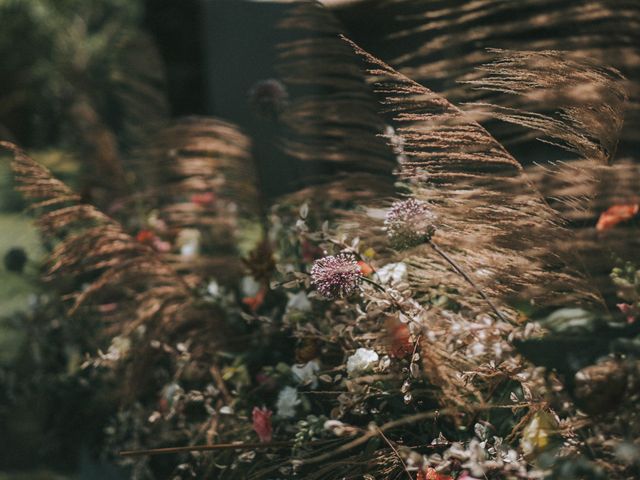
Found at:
(331, 118)
(587, 103)
(99, 267)
(493, 222)
(198, 175)
(36, 182)
(589, 99)
(438, 43)
(139, 88)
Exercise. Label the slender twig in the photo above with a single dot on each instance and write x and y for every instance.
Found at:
(373, 432)
(374, 283)
(404, 465)
(410, 419)
(205, 448)
(218, 446)
(217, 376)
(464, 275)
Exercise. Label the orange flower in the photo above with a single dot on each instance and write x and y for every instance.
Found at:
(256, 301)
(365, 268)
(616, 214)
(398, 338)
(145, 236)
(431, 474)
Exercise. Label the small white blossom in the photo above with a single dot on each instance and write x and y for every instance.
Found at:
(189, 250)
(118, 349)
(336, 427)
(287, 402)
(189, 242)
(171, 393)
(306, 374)
(249, 287)
(392, 273)
(361, 361)
(213, 288)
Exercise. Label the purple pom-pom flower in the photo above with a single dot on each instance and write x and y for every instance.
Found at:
(336, 276)
(409, 223)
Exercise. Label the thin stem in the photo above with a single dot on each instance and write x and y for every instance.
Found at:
(395, 450)
(218, 446)
(410, 419)
(374, 283)
(462, 273)
(205, 448)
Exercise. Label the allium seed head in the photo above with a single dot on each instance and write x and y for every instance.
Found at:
(268, 97)
(409, 223)
(336, 276)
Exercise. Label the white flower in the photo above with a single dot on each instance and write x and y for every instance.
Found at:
(189, 242)
(477, 349)
(249, 287)
(299, 302)
(306, 374)
(213, 288)
(287, 402)
(392, 273)
(118, 349)
(171, 393)
(336, 426)
(361, 361)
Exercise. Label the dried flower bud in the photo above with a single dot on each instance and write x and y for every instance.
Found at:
(268, 97)
(409, 223)
(15, 259)
(336, 276)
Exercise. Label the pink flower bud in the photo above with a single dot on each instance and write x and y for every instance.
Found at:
(262, 423)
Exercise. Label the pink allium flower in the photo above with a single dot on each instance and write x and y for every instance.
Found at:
(409, 223)
(262, 423)
(336, 276)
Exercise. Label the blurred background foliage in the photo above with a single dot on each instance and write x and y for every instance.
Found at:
(79, 81)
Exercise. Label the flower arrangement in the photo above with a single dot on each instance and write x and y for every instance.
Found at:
(420, 314)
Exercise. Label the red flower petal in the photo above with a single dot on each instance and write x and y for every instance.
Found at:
(256, 301)
(431, 474)
(203, 199)
(365, 268)
(262, 423)
(616, 214)
(145, 236)
(398, 338)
